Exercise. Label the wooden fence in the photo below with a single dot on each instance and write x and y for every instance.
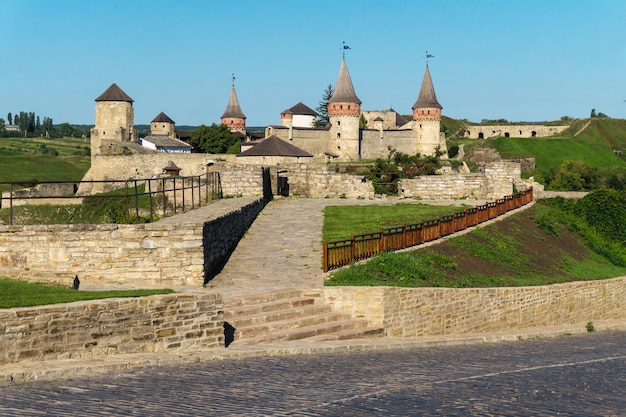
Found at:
(344, 252)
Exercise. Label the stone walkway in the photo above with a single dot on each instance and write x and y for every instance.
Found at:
(283, 248)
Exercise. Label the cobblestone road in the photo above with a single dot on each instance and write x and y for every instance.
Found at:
(582, 375)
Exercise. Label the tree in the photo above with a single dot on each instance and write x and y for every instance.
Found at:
(2, 124)
(593, 113)
(362, 122)
(574, 176)
(212, 139)
(10, 118)
(322, 110)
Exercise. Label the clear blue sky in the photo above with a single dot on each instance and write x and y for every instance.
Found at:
(522, 60)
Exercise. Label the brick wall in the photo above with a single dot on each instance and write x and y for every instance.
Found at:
(411, 312)
(91, 329)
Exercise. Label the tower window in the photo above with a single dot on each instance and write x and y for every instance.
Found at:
(338, 135)
(341, 107)
(338, 122)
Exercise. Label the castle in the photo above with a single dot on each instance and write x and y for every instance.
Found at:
(341, 140)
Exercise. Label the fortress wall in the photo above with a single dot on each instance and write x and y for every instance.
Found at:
(496, 182)
(92, 329)
(514, 131)
(166, 253)
(414, 312)
(372, 146)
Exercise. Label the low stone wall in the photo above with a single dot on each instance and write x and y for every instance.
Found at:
(497, 180)
(514, 131)
(179, 250)
(91, 329)
(411, 312)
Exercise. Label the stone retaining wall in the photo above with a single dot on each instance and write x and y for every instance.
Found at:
(91, 329)
(411, 312)
(179, 250)
(498, 180)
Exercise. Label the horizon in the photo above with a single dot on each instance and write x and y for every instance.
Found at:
(521, 60)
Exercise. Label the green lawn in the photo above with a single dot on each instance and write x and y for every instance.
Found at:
(14, 293)
(341, 222)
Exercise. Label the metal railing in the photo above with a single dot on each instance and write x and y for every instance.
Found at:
(166, 195)
(340, 253)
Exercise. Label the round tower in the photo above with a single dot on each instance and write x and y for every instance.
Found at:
(233, 117)
(344, 110)
(115, 119)
(427, 119)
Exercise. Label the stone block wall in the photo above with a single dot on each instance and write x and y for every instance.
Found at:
(174, 251)
(497, 181)
(411, 312)
(91, 329)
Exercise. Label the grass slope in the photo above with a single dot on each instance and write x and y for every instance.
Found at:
(511, 252)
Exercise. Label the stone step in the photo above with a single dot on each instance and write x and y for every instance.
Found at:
(241, 321)
(232, 314)
(359, 333)
(264, 297)
(304, 332)
(298, 323)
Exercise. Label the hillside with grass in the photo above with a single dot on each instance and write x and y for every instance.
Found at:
(590, 154)
(554, 241)
(41, 159)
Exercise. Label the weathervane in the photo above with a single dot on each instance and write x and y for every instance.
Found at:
(233, 77)
(428, 56)
(344, 47)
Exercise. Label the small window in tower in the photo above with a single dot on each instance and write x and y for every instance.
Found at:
(338, 122)
(163, 126)
(420, 125)
(348, 107)
(338, 135)
(428, 111)
(341, 107)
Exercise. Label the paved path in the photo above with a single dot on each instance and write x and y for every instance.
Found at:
(283, 248)
(580, 375)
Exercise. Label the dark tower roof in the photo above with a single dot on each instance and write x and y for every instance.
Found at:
(274, 146)
(344, 91)
(162, 118)
(114, 93)
(233, 110)
(301, 109)
(427, 97)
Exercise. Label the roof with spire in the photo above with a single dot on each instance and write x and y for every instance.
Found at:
(114, 93)
(162, 118)
(233, 110)
(427, 97)
(344, 91)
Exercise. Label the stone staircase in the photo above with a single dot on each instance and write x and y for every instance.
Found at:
(289, 315)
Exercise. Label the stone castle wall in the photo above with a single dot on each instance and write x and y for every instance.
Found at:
(92, 329)
(514, 131)
(166, 253)
(414, 312)
(497, 181)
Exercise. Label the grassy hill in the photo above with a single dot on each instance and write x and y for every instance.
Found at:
(29, 159)
(599, 143)
(545, 244)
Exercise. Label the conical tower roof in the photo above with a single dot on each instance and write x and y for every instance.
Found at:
(233, 111)
(114, 93)
(427, 97)
(162, 118)
(344, 91)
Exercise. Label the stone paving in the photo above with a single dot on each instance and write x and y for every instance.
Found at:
(582, 375)
(259, 264)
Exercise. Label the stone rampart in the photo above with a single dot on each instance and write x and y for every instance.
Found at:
(413, 312)
(513, 131)
(92, 329)
(179, 250)
(498, 179)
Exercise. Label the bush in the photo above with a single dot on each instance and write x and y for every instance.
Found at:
(605, 211)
